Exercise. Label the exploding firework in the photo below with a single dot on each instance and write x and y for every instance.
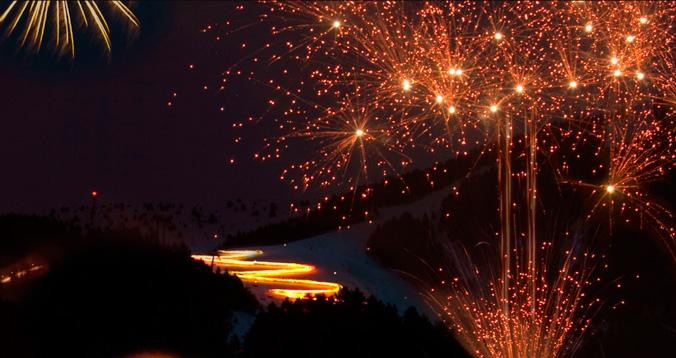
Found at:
(345, 139)
(548, 309)
(33, 20)
(586, 87)
(639, 151)
(440, 76)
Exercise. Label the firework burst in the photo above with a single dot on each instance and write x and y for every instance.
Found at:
(33, 20)
(580, 86)
(549, 309)
(349, 140)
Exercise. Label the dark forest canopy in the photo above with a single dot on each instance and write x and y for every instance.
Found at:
(114, 293)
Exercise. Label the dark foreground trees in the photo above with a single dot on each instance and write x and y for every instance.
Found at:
(349, 325)
(118, 294)
(115, 296)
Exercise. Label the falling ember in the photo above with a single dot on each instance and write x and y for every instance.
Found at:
(336, 24)
(588, 28)
(406, 85)
(359, 132)
(610, 188)
(475, 308)
(572, 84)
(498, 36)
(493, 108)
(519, 89)
(451, 109)
(439, 98)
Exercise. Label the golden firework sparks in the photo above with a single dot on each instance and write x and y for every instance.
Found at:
(32, 20)
(447, 77)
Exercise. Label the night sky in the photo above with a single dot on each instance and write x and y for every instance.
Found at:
(149, 124)
(71, 128)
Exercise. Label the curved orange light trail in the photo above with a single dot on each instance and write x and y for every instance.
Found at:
(238, 263)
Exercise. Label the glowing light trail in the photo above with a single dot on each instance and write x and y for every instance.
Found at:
(239, 263)
(13, 276)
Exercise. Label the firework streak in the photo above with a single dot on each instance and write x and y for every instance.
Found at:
(56, 18)
(584, 87)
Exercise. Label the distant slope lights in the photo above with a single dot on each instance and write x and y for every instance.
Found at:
(239, 263)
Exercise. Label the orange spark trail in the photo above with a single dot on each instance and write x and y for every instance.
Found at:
(268, 272)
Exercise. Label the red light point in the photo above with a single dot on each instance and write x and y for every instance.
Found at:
(94, 194)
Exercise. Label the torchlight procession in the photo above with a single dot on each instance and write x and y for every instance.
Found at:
(239, 263)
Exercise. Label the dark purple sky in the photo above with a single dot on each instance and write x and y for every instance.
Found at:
(65, 131)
